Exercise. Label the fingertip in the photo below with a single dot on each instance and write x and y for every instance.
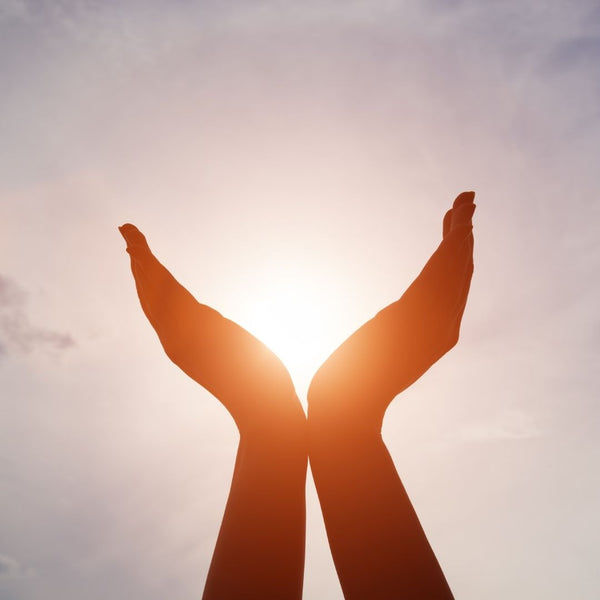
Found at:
(126, 227)
(133, 236)
(464, 198)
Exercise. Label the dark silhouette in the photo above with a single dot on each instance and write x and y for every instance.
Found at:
(378, 546)
(260, 548)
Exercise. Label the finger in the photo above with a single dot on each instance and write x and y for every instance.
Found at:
(447, 225)
(464, 198)
(134, 237)
(462, 215)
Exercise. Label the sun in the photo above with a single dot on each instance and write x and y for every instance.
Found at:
(293, 314)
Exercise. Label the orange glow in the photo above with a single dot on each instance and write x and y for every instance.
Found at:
(292, 316)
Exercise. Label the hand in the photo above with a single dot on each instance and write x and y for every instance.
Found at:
(392, 350)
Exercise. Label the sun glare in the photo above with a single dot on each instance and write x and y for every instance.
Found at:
(293, 318)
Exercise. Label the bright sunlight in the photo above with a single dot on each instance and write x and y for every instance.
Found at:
(294, 315)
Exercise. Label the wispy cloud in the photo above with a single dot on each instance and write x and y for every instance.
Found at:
(16, 330)
(9, 567)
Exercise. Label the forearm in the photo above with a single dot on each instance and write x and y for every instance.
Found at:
(260, 549)
(379, 548)
(378, 545)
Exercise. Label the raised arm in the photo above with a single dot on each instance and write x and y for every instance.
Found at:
(379, 548)
(259, 553)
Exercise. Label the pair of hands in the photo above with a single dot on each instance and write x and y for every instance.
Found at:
(360, 378)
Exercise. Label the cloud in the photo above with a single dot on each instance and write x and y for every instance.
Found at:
(9, 567)
(16, 331)
(10, 293)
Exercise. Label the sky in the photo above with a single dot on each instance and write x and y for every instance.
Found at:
(291, 163)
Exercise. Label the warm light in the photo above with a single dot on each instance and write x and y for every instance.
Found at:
(293, 317)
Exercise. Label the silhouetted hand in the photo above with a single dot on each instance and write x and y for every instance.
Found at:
(402, 341)
(220, 355)
(378, 545)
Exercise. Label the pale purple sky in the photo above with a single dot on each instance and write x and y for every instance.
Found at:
(282, 150)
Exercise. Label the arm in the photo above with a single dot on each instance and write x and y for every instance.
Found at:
(260, 549)
(379, 548)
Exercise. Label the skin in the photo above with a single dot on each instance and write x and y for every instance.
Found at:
(260, 548)
(378, 545)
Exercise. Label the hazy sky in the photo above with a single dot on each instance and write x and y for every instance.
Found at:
(291, 163)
